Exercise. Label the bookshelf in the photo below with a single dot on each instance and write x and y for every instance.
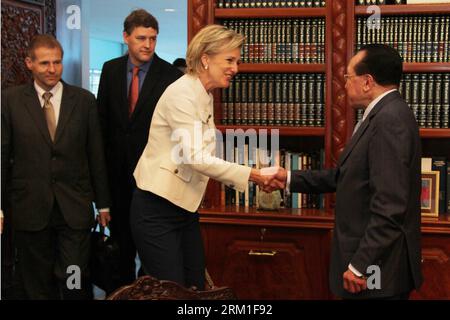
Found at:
(282, 68)
(301, 237)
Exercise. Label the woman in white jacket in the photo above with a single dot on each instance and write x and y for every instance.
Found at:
(174, 169)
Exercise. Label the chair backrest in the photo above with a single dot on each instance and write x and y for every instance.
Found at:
(149, 288)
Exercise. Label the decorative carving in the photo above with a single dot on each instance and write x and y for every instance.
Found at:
(199, 15)
(21, 21)
(434, 254)
(339, 64)
(50, 17)
(149, 288)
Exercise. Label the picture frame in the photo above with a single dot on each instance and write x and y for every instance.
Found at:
(429, 195)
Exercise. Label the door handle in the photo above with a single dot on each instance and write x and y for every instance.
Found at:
(267, 253)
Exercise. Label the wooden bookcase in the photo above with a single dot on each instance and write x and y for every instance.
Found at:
(285, 255)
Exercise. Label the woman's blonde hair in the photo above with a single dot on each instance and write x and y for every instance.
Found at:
(210, 40)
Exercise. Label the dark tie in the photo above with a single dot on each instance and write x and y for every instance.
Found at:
(134, 91)
(49, 113)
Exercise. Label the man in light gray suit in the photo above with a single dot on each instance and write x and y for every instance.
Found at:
(377, 184)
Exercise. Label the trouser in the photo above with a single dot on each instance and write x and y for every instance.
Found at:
(168, 240)
(52, 263)
(122, 190)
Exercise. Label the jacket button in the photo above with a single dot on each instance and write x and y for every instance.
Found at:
(176, 171)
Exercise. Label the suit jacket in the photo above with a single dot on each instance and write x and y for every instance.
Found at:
(36, 171)
(377, 215)
(125, 137)
(179, 158)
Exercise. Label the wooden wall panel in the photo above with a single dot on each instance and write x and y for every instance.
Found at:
(21, 21)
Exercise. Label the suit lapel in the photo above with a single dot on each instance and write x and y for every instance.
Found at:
(353, 141)
(123, 89)
(68, 101)
(34, 107)
(147, 87)
(365, 124)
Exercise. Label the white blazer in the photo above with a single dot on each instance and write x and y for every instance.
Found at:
(179, 157)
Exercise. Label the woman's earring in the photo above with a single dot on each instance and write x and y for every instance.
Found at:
(206, 67)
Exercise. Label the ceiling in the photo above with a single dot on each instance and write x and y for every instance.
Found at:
(107, 16)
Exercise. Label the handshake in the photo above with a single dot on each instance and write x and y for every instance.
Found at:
(269, 179)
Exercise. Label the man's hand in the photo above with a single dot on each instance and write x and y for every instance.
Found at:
(352, 283)
(258, 178)
(104, 218)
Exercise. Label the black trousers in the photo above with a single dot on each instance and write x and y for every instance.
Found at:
(168, 240)
(43, 261)
(122, 186)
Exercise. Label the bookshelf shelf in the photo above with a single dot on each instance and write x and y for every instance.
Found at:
(440, 224)
(407, 9)
(270, 13)
(283, 131)
(282, 68)
(282, 218)
(435, 133)
(427, 67)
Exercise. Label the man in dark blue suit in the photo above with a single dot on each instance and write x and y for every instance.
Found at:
(130, 87)
(377, 184)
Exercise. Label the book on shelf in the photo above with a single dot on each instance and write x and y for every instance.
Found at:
(275, 100)
(417, 38)
(428, 96)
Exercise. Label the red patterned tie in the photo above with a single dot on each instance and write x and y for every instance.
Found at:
(134, 91)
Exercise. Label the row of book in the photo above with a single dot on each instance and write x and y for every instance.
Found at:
(441, 166)
(257, 158)
(417, 38)
(281, 40)
(239, 4)
(274, 99)
(428, 95)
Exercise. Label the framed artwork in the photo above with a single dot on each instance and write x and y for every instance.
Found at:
(429, 196)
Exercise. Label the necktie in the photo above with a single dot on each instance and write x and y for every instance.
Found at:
(358, 124)
(49, 113)
(134, 91)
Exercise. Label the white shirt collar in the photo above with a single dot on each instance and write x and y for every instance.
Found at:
(374, 102)
(56, 92)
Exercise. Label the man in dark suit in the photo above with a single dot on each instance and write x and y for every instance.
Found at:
(130, 87)
(377, 184)
(53, 168)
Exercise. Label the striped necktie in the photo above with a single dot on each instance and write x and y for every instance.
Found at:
(49, 113)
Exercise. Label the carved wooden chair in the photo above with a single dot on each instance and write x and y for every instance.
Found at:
(149, 288)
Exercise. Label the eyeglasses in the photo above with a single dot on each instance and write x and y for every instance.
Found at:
(348, 76)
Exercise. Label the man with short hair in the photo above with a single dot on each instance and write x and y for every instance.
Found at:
(53, 168)
(130, 87)
(377, 183)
